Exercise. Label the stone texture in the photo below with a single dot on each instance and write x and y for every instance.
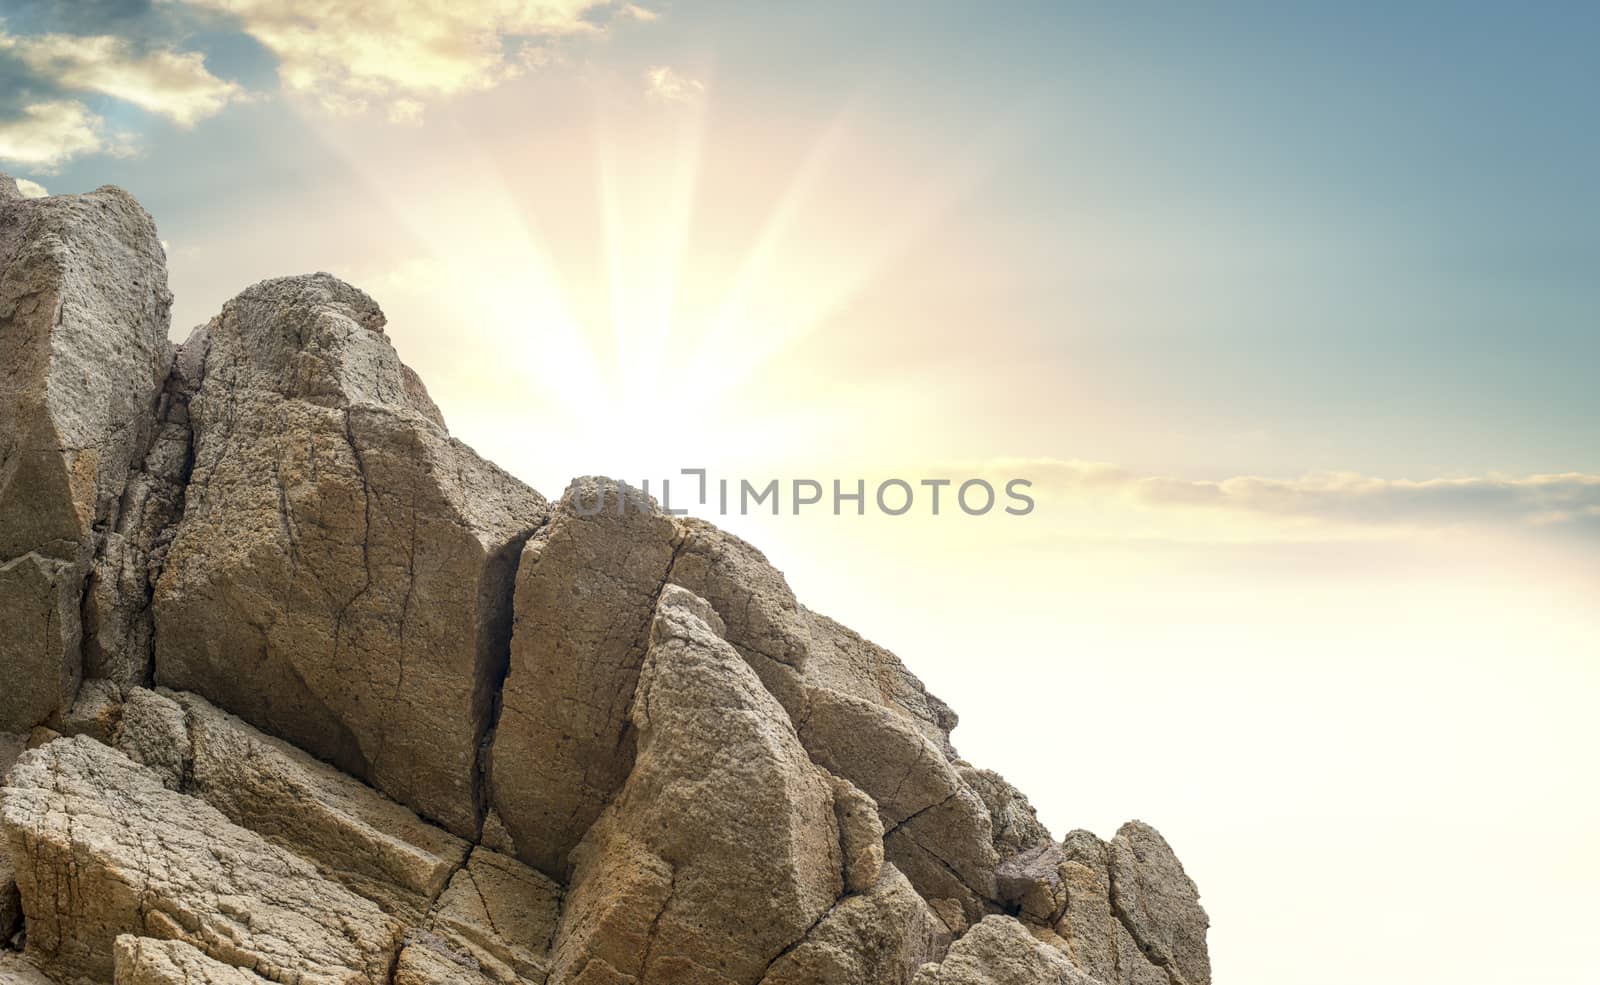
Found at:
(353, 834)
(83, 342)
(94, 712)
(586, 592)
(119, 645)
(18, 970)
(143, 961)
(860, 715)
(881, 936)
(1122, 912)
(843, 660)
(104, 849)
(1159, 904)
(11, 748)
(341, 574)
(1014, 822)
(678, 883)
(937, 828)
(494, 923)
(1000, 951)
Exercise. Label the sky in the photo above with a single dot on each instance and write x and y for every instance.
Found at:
(1288, 312)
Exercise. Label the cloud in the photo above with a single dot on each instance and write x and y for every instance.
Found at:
(351, 54)
(1343, 499)
(31, 189)
(168, 83)
(666, 85)
(45, 135)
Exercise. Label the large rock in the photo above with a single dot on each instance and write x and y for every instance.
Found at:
(353, 834)
(1124, 912)
(586, 592)
(83, 342)
(859, 713)
(881, 936)
(342, 573)
(104, 849)
(722, 850)
(1159, 904)
(1000, 951)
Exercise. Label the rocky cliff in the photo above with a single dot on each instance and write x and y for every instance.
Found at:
(299, 689)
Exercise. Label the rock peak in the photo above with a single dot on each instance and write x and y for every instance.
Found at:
(300, 689)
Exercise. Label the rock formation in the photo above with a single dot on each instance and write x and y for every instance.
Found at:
(302, 690)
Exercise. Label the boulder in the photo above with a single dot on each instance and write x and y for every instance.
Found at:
(103, 849)
(859, 714)
(882, 936)
(1123, 912)
(83, 338)
(722, 850)
(586, 592)
(1001, 951)
(341, 576)
(1159, 904)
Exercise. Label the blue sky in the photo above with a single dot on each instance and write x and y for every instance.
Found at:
(1291, 311)
(1347, 221)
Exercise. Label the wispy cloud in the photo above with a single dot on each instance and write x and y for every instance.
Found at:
(168, 83)
(44, 135)
(351, 55)
(1343, 499)
(664, 84)
(62, 64)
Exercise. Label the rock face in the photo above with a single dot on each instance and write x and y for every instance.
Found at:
(586, 592)
(1000, 951)
(83, 343)
(301, 691)
(341, 575)
(653, 898)
(102, 848)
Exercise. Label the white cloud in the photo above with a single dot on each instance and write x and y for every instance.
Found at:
(639, 13)
(165, 82)
(31, 189)
(664, 84)
(350, 54)
(49, 133)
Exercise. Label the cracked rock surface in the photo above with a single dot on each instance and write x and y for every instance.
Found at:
(301, 691)
(83, 355)
(341, 574)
